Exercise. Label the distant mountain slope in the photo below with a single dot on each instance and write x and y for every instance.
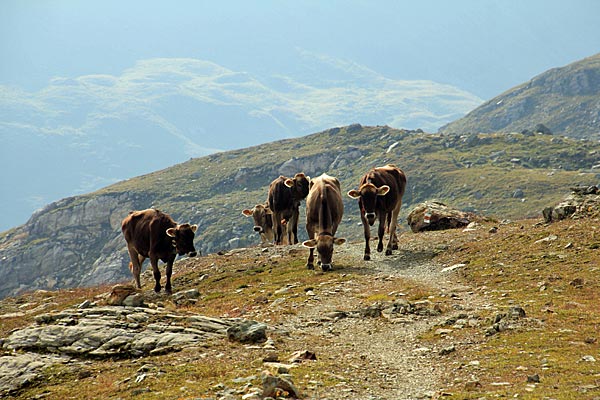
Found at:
(566, 100)
(80, 134)
(77, 241)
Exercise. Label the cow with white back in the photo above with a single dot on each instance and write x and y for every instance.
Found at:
(324, 210)
(285, 195)
(153, 234)
(263, 221)
(379, 196)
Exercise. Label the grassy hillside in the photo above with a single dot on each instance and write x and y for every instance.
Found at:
(477, 172)
(503, 176)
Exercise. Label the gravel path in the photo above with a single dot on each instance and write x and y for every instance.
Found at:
(382, 358)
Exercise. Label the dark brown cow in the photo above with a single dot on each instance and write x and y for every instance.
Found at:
(153, 234)
(324, 210)
(380, 196)
(284, 199)
(263, 221)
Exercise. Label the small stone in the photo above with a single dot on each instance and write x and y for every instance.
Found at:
(472, 386)
(85, 304)
(302, 355)
(134, 300)
(247, 332)
(577, 283)
(533, 378)
(447, 350)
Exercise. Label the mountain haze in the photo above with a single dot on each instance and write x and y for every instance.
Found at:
(566, 100)
(94, 130)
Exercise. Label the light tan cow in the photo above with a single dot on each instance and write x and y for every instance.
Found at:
(324, 210)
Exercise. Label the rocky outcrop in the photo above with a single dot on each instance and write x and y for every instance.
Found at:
(583, 202)
(565, 100)
(434, 216)
(91, 331)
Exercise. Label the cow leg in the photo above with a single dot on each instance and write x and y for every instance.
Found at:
(294, 225)
(393, 224)
(367, 231)
(168, 272)
(136, 265)
(278, 228)
(156, 273)
(311, 258)
(381, 232)
(395, 242)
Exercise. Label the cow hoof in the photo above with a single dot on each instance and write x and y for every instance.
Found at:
(379, 249)
(157, 289)
(388, 252)
(310, 266)
(367, 257)
(395, 247)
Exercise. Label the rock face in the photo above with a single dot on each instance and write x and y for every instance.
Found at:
(562, 100)
(74, 242)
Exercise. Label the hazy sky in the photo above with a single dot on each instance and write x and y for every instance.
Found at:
(485, 47)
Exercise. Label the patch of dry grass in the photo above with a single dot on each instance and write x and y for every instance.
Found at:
(552, 272)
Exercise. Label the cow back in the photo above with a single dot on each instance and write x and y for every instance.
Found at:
(280, 196)
(148, 228)
(324, 205)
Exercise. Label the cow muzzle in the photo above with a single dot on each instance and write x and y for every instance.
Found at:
(370, 218)
(258, 229)
(192, 254)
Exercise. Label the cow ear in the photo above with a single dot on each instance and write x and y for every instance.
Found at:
(194, 228)
(382, 191)
(289, 182)
(268, 211)
(247, 212)
(355, 194)
(311, 244)
(339, 241)
(171, 232)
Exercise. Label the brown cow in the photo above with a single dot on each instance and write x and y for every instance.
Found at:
(324, 210)
(153, 234)
(284, 199)
(380, 196)
(263, 221)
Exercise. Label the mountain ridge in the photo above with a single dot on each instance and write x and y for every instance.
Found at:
(565, 99)
(92, 130)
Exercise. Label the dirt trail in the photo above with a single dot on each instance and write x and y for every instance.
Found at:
(382, 358)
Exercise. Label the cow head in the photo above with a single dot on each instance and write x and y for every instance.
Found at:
(183, 239)
(324, 244)
(262, 217)
(299, 185)
(367, 196)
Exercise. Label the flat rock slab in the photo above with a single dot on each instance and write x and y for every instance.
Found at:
(21, 370)
(101, 332)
